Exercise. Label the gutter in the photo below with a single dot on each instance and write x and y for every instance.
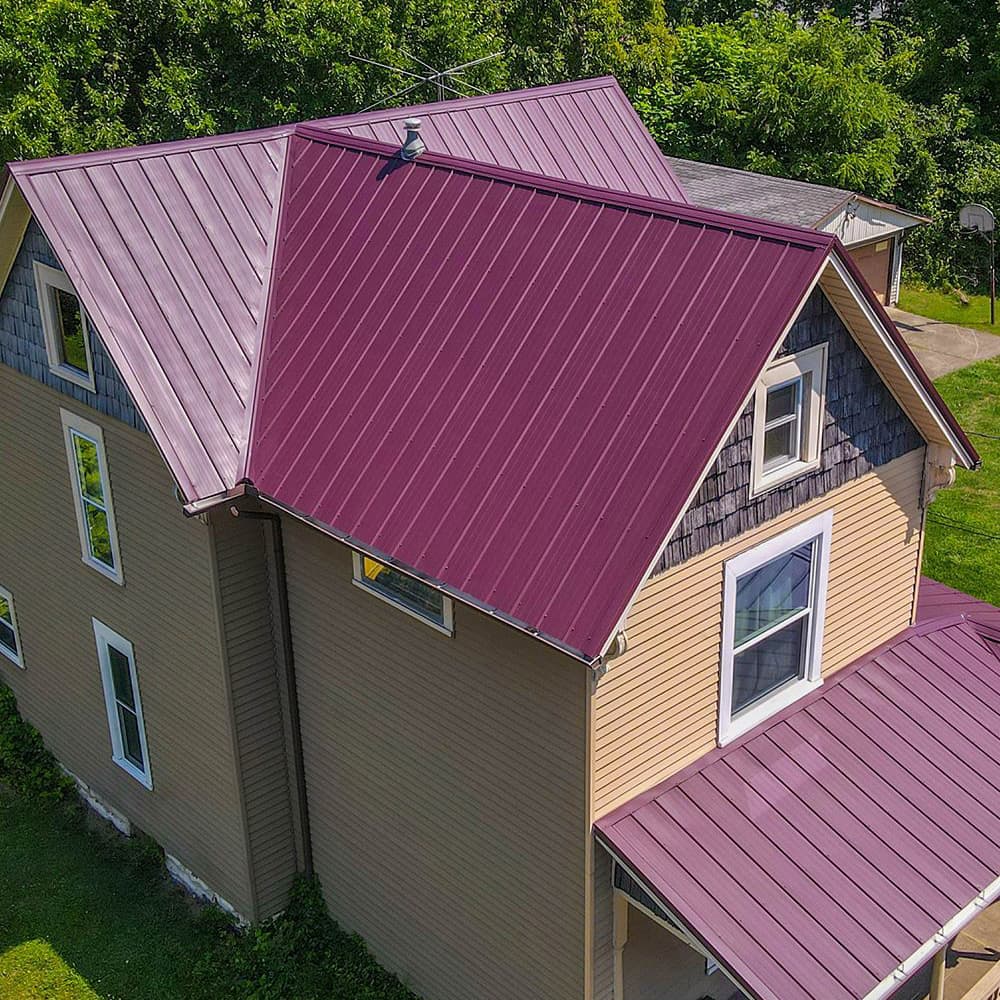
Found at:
(288, 660)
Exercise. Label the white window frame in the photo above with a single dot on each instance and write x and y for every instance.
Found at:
(105, 637)
(72, 424)
(46, 279)
(819, 530)
(447, 607)
(808, 368)
(17, 655)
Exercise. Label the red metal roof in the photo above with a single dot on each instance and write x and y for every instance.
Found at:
(169, 245)
(474, 370)
(828, 846)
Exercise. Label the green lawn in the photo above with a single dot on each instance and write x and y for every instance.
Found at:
(941, 306)
(969, 559)
(82, 915)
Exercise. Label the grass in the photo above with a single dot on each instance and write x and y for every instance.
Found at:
(945, 307)
(85, 915)
(962, 546)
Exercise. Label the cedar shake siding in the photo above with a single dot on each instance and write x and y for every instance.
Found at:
(166, 608)
(22, 342)
(864, 428)
(447, 786)
(259, 723)
(656, 708)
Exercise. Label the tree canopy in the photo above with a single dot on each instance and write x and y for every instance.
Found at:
(900, 101)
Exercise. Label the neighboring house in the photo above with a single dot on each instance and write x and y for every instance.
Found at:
(872, 231)
(530, 554)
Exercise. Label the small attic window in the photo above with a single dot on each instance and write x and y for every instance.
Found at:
(406, 592)
(788, 418)
(64, 323)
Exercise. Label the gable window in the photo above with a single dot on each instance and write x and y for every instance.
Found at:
(88, 472)
(10, 640)
(408, 593)
(64, 323)
(774, 602)
(788, 418)
(121, 694)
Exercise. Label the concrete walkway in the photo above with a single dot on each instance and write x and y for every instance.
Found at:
(943, 347)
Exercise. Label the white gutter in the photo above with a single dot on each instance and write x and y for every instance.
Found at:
(908, 966)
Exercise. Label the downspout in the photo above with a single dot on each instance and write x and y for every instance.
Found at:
(288, 658)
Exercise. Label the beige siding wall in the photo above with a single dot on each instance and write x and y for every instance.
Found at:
(167, 608)
(656, 708)
(242, 563)
(447, 786)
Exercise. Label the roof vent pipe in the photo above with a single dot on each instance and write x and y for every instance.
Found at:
(414, 145)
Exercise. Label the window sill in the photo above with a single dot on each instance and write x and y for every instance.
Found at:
(74, 375)
(780, 476)
(130, 769)
(113, 575)
(744, 721)
(443, 629)
(13, 657)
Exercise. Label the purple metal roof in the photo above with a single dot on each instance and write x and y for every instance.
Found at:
(474, 370)
(936, 600)
(169, 245)
(168, 248)
(828, 845)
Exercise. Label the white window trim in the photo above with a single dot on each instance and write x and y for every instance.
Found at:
(105, 637)
(91, 431)
(448, 607)
(50, 277)
(811, 365)
(818, 529)
(17, 656)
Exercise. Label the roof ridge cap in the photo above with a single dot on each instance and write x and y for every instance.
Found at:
(679, 211)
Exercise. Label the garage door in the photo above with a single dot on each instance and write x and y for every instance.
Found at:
(875, 259)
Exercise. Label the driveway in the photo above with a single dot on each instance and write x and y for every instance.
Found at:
(943, 347)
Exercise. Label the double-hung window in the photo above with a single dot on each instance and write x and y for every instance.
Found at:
(88, 472)
(65, 326)
(406, 592)
(788, 418)
(773, 625)
(10, 639)
(121, 694)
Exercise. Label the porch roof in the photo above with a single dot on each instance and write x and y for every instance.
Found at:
(830, 851)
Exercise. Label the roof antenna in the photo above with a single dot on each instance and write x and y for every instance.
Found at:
(429, 76)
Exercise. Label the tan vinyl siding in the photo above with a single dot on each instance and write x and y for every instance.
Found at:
(656, 709)
(246, 607)
(447, 786)
(166, 608)
(604, 952)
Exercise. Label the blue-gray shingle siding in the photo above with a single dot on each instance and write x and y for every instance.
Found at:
(22, 341)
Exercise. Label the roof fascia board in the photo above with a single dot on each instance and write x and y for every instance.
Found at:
(846, 270)
(711, 462)
(684, 925)
(743, 225)
(263, 320)
(912, 217)
(15, 214)
(355, 544)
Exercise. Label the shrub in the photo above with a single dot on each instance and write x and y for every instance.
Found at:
(301, 953)
(26, 766)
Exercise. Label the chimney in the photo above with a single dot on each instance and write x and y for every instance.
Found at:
(414, 145)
